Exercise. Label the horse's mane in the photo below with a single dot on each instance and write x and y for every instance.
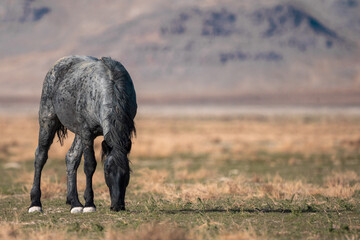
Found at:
(121, 123)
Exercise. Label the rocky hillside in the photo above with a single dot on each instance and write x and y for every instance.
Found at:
(262, 51)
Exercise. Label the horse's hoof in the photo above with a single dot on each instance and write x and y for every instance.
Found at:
(77, 210)
(89, 209)
(35, 209)
(117, 209)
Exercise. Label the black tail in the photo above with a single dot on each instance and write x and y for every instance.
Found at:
(61, 132)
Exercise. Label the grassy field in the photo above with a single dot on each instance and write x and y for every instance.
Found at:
(245, 177)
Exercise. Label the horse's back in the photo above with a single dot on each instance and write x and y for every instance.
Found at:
(59, 69)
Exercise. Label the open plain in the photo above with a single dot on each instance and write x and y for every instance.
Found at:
(244, 176)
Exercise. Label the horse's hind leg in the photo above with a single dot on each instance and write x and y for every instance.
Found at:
(89, 169)
(48, 128)
(73, 158)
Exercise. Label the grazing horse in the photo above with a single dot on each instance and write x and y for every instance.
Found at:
(90, 97)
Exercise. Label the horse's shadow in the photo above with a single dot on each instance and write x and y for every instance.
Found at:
(244, 210)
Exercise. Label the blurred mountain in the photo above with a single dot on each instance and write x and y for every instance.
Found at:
(255, 51)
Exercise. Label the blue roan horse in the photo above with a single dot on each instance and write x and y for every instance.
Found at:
(90, 97)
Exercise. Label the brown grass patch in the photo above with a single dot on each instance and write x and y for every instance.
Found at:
(153, 231)
(337, 185)
(242, 235)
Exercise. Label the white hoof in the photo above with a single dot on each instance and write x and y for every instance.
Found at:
(35, 209)
(89, 209)
(77, 210)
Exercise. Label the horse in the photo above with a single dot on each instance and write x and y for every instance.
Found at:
(90, 97)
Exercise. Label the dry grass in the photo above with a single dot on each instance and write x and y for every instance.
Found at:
(153, 231)
(188, 161)
(163, 137)
(240, 187)
(242, 235)
(220, 138)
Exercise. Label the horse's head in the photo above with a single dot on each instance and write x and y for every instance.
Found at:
(117, 176)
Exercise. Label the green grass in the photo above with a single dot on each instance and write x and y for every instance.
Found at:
(311, 217)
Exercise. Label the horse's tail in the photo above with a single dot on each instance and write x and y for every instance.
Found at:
(61, 132)
(121, 119)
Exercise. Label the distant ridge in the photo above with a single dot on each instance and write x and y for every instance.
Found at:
(253, 52)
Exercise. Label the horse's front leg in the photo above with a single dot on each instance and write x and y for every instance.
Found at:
(73, 158)
(89, 169)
